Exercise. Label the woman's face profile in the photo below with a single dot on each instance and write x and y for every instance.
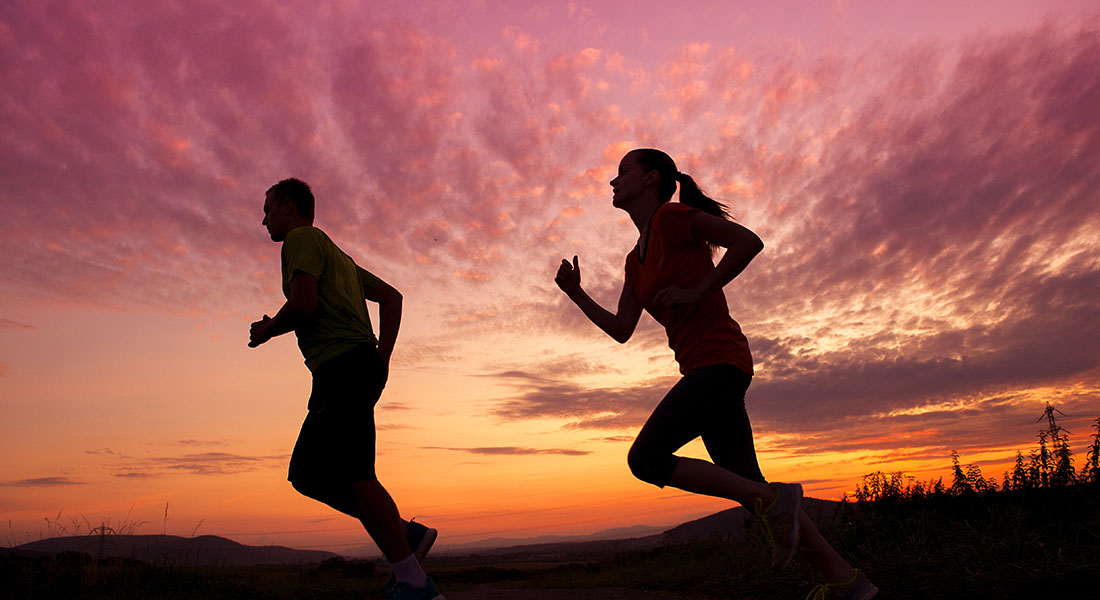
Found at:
(629, 183)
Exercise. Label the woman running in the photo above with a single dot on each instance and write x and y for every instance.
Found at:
(671, 274)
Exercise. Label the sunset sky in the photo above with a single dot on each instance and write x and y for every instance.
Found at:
(924, 176)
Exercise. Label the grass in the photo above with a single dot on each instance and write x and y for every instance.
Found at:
(72, 575)
(1037, 544)
(1038, 537)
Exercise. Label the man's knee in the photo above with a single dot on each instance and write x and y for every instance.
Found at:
(335, 495)
(309, 489)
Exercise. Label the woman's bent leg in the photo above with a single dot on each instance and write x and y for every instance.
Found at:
(683, 415)
(820, 554)
(702, 477)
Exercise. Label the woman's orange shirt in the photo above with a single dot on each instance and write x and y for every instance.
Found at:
(700, 335)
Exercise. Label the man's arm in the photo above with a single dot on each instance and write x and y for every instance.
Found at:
(389, 315)
(301, 304)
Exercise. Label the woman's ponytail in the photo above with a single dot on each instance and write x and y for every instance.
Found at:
(691, 195)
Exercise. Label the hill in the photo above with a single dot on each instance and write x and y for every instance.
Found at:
(201, 550)
(213, 550)
(728, 525)
(498, 544)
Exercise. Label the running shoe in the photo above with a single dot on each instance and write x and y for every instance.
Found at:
(780, 521)
(857, 588)
(420, 539)
(404, 591)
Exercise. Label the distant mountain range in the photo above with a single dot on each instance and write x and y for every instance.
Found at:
(728, 524)
(490, 545)
(213, 550)
(171, 549)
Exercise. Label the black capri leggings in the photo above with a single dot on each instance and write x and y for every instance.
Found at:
(708, 402)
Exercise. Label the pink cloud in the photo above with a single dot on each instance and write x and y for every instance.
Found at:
(172, 146)
(964, 176)
(473, 275)
(956, 176)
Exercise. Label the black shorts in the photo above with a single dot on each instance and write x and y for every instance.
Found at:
(336, 444)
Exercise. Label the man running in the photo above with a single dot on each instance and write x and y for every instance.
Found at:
(333, 459)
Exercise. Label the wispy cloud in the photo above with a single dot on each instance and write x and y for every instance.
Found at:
(196, 443)
(42, 482)
(107, 452)
(203, 463)
(513, 450)
(392, 426)
(9, 324)
(586, 407)
(556, 366)
(136, 475)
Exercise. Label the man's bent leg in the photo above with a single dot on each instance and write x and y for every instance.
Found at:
(379, 515)
(377, 512)
(340, 497)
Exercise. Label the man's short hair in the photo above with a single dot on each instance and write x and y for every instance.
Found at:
(297, 191)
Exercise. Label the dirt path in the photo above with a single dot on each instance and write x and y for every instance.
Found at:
(491, 593)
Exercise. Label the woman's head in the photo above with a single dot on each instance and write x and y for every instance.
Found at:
(651, 160)
(655, 160)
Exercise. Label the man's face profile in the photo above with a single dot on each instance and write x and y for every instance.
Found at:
(276, 217)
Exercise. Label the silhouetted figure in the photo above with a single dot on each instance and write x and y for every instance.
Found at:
(671, 274)
(333, 459)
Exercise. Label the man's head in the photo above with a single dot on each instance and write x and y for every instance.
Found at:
(287, 205)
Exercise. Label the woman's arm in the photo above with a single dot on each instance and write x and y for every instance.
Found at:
(620, 326)
(742, 245)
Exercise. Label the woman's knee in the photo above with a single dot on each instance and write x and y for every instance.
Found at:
(650, 467)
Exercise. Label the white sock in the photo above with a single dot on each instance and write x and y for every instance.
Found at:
(407, 570)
